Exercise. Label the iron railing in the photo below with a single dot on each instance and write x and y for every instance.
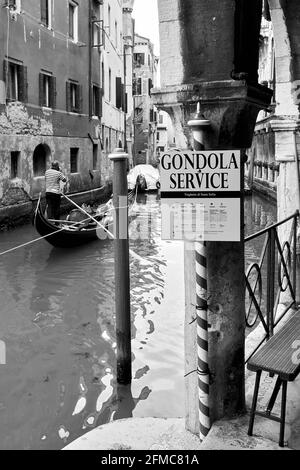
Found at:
(275, 273)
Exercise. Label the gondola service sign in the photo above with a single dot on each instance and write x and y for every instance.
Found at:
(201, 195)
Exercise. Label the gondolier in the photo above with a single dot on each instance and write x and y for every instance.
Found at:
(53, 178)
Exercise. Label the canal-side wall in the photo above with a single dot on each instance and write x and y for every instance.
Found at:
(19, 214)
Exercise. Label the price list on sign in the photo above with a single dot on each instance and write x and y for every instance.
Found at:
(201, 195)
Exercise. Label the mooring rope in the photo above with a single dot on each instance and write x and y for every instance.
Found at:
(31, 242)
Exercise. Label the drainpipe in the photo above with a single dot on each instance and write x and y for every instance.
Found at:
(90, 58)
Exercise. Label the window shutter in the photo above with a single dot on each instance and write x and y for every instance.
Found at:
(97, 101)
(5, 70)
(145, 87)
(6, 78)
(53, 92)
(41, 89)
(150, 86)
(23, 85)
(101, 93)
(126, 103)
(79, 98)
(122, 96)
(118, 93)
(68, 96)
(44, 16)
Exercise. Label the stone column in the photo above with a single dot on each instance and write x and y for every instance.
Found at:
(232, 107)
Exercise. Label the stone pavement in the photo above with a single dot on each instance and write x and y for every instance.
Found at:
(170, 434)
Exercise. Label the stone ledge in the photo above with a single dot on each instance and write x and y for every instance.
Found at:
(170, 434)
(139, 434)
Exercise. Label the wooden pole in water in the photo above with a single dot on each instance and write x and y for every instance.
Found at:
(122, 278)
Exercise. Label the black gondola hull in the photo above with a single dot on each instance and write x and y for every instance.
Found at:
(63, 238)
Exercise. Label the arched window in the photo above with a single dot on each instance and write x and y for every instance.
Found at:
(120, 144)
(41, 156)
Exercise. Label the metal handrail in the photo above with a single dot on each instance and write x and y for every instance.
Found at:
(265, 230)
(286, 277)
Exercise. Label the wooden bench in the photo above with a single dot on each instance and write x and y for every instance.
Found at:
(277, 357)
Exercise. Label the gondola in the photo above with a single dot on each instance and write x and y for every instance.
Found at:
(69, 234)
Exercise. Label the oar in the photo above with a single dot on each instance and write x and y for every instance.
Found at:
(135, 255)
(89, 215)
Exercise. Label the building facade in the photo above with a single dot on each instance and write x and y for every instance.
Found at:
(145, 115)
(262, 170)
(62, 94)
(165, 136)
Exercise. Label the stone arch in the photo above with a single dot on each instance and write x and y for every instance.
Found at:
(41, 156)
(285, 17)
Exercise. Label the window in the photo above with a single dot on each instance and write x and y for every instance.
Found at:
(103, 77)
(97, 97)
(41, 155)
(137, 86)
(74, 94)
(139, 59)
(47, 90)
(138, 115)
(96, 35)
(109, 139)
(119, 93)
(73, 21)
(157, 136)
(150, 86)
(161, 119)
(46, 13)
(14, 165)
(109, 85)
(15, 77)
(95, 156)
(74, 153)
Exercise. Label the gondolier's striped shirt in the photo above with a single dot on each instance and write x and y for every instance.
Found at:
(53, 178)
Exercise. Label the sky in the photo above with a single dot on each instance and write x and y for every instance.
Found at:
(146, 21)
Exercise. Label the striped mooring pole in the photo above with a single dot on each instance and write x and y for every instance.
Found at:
(198, 124)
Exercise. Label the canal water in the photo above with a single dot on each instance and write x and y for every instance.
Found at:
(57, 322)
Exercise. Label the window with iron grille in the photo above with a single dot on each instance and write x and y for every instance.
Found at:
(95, 157)
(15, 164)
(74, 157)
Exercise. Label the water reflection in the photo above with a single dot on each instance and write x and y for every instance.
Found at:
(58, 321)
